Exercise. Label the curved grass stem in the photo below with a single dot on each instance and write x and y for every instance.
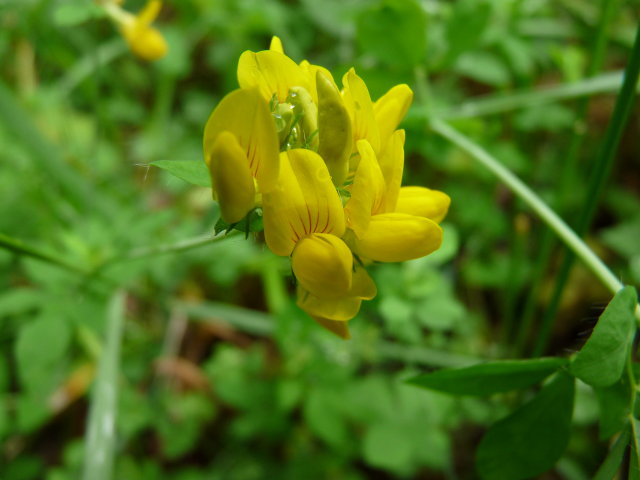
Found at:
(551, 218)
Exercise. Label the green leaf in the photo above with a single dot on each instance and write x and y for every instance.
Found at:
(387, 446)
(394, 32)
(252, 222)
(531, 439)
(76, 12)
(484, 67)
(614, 407)
(611, 464)
(100, 437)
(323, 414)
(192, 171)
(601, 361)
(489, 378)
(466, 27)
(634, 467)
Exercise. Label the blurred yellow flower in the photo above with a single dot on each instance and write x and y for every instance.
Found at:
(143, 39)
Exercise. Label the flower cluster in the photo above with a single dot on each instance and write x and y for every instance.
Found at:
(325, 166)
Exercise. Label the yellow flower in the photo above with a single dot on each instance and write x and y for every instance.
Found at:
(304, 218)
(288, 140)
(306, 103)
(374, 122)
(143, 39)
(241, 151)
(381, 231)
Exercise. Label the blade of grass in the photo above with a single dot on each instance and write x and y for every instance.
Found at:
(101, 435)
(559, 226)
(568, 163)
(597, 180)
(494, 104)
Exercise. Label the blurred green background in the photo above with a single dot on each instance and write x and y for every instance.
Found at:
(221, 376)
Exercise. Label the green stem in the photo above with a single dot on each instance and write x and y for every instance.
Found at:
(597, 180)
(569, 164)
(494, 104)
(180, 246)
(18, 247)
(530, 198)
(274, 289)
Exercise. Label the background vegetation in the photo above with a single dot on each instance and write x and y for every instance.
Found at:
(202, 360)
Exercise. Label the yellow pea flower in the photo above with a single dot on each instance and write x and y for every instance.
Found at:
(423, 202)
(304, 218)
(241, 151)
(381, 232)
(374, 122)
(143, 39)
(288, 140)
(272, 72)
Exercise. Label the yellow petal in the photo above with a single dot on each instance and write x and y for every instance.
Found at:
(150, 12)
(360, 108)
(396, 237)
(304, 202)
(367, 190)
(230, 177)
(340, 309)
(323, 265)
(312, 71)
(334, 129)
(246, 115)
(145, 41)
(276, 45)
(272, 72)
(362, 285)
(392, 164)
(391, 108)
(341, 329)
(423, 202)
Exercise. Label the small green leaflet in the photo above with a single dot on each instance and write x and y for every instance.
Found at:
(531, 439)
(601, 361)
(192, 171)
(634, 467)
(491, 377)
(252, 222)
(614, 407)
(610, 466)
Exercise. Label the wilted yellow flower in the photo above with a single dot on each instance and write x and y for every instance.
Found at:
(143, 39)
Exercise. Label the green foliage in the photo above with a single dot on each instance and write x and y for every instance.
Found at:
(532, 438)
(394, 31)
(218, 374)
(489, 378)
(192, 171)
(602, 359)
